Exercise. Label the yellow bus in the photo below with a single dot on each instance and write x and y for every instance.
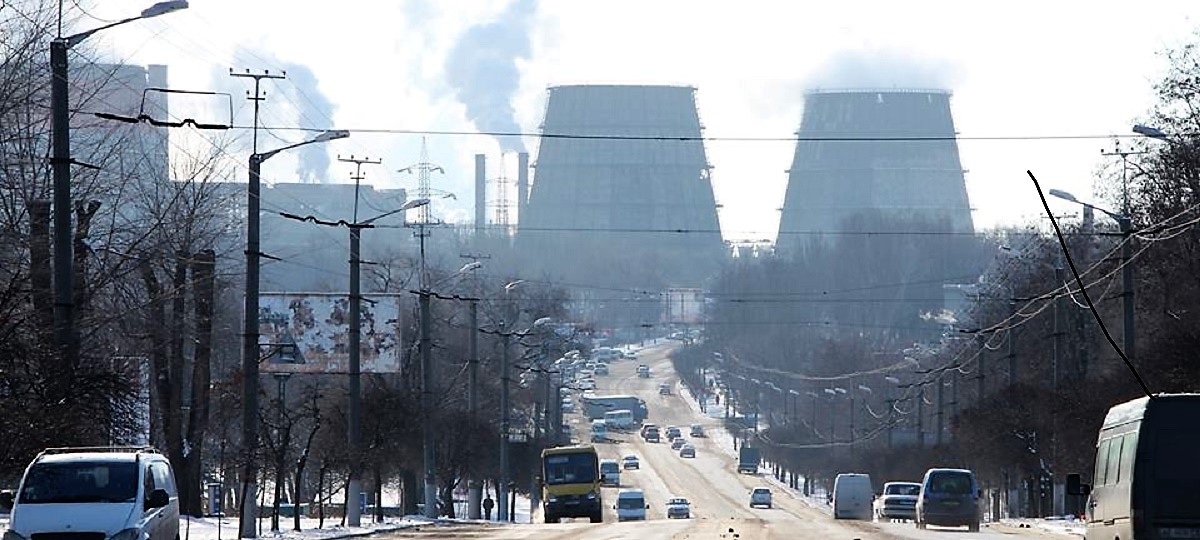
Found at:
(571, 483)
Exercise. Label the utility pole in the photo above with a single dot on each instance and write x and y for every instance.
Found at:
(1012, 345)
(1125, 221)
(981, 345)
(426, 349)
(941, 408)
(1055, 362)
(502, 489)
(921, 415)
(248, 517)
(353, 420)
(474, 487)
(423, 169)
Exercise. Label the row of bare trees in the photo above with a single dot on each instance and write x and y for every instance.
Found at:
(157, 257)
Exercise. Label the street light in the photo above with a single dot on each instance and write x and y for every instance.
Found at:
(60, 163)
(1150, 131)
(1126, 225)
(354, 412)
(248, 516)
(503, 486)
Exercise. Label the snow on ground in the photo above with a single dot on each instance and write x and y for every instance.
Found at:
(1065, 525)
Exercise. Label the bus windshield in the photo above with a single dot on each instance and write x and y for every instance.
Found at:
(571, 469)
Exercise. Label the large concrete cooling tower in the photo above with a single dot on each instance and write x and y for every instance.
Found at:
(611, 207)
(852, 186)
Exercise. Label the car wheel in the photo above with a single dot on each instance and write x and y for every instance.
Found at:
(974, 527)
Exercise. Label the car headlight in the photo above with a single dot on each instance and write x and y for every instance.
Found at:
(13, 535)
(127, 534)
(591, 495)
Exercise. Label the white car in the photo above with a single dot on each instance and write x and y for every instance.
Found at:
(118, 493)
(760, 496)
(631, 462)
(587, 384)
(678, 507)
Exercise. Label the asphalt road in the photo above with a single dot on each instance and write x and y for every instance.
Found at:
(719, 496)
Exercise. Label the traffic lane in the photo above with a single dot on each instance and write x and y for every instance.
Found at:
(910, 531)
(710, 481)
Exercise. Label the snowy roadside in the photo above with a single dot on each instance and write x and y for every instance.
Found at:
(212, 528)
(1068, 525)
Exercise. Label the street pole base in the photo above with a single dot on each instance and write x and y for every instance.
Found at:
(431, 497)
(249, 517)
(353, 512)
(474, 500)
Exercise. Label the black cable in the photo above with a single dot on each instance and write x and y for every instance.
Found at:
(1067, 253)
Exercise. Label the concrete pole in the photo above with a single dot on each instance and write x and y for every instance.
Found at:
(248, 517)
(941, 408)
(1126, 224)
(502, 489)
(474, 487)
(64, 306)
(426, 348)
(354, 427)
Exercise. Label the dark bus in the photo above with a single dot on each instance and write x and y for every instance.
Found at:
(1147, 479)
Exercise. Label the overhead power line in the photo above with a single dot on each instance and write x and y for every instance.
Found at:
(689, 138)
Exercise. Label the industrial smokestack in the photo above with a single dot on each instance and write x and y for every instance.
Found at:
(480, 194)
(522, 183)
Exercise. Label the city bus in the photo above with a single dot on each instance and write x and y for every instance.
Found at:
(571, 484)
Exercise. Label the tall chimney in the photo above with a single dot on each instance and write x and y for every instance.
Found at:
(522, 184)
(480, 195)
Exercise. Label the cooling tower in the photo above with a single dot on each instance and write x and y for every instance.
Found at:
(611, 204)
(850, 172)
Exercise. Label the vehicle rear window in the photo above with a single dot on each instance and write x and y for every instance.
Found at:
(629, 503)
(80, 482)
(903, 489)
(951, 483)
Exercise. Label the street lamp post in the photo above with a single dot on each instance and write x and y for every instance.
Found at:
(60, 164)
(248, 514)
(1125, 223)
(502, 490)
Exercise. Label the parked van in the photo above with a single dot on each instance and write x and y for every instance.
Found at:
(610, 472)
(1146, 471)
(622, 419)
(599, 431)
(111, 492)
(852, 496)
(949, 498)
(631, 505)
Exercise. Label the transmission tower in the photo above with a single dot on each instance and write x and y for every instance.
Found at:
(500, 203)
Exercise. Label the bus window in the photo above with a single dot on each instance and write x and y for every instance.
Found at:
(1102, 462)
(1113, 475)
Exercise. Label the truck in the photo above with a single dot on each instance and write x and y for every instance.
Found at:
(571, 484)
(595, 406)
(748, 458)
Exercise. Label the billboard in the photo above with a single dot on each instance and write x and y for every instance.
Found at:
(310, 333)
(683, 306)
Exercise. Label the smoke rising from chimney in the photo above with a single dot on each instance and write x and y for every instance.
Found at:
(883, 69)
(482, 69)
(298, 96)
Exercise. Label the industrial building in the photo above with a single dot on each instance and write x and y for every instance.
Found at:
(621, 194)
(867, 155)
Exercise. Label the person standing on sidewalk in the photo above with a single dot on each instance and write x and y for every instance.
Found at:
(488, 503)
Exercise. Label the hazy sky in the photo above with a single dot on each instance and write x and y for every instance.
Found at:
(1017, 68)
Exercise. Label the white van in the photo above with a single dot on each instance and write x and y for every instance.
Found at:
(622, 419)
(610, 472)
(852, 496)
(631, 505)
(599, 431)
(114, 493)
